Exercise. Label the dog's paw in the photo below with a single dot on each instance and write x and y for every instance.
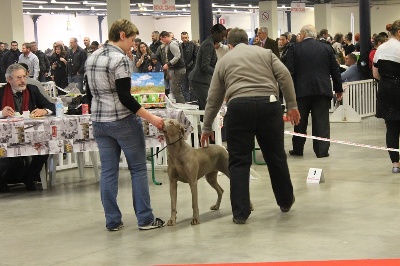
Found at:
(171, 222)
(214, 207)
(195, 221)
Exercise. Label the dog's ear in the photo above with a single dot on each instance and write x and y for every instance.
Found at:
(182, 129)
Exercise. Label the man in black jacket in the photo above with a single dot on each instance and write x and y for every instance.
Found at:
(312, 64)
(155, 38)
(76, 58)
(44, 63)
(17, 96)
(189, 49)
(10, 57)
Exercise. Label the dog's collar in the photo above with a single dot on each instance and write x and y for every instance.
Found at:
(181, 137)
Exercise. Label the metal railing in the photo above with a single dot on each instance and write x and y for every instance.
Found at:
(359, 100)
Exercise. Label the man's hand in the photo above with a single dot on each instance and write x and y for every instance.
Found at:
(165, 67)
(339, 96)
(204, 138)
(38, 113)
(7, 111)
(294, 116)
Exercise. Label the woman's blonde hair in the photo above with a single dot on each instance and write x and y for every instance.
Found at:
(122, 25)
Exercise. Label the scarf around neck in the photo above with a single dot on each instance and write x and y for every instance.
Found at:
(8, 99)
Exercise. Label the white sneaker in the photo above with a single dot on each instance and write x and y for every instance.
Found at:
(157, 223)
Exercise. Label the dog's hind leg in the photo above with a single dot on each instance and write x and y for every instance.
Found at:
(212, 180)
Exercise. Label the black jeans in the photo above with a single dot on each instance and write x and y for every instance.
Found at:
(12, 171)
(319, 108)
(392, 138)
(246, 118)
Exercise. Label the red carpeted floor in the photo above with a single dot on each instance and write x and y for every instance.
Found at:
(384, 262)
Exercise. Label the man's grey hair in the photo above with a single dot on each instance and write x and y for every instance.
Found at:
(236, 36)
(309, 31)
(263, 29)
(13, 68)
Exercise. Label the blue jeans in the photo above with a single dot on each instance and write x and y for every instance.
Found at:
(78, 79)
(111, 137)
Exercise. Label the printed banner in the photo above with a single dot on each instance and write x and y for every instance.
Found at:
(164, 5)
(148, 89)
(298, 7)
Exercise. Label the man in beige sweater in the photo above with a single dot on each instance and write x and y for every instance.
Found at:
(248, 77)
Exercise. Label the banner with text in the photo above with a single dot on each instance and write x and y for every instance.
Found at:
(164, 5)
(298, 7)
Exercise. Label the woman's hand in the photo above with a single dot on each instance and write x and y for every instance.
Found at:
(157, 121)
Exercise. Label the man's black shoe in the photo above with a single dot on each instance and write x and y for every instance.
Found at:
(4, 188)
(295, 153)
(287, 208)
(30, 186)
(239, 220)
(323, 155)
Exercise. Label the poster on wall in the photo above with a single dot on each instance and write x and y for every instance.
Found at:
(148, 89)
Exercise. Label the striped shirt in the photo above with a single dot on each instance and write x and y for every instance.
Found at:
(102, 68)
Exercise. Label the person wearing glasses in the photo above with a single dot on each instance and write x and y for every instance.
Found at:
(18, 96)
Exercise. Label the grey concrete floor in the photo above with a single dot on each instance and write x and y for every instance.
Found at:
(355, 214)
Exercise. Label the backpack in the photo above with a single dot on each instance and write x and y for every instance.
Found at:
(75, 107)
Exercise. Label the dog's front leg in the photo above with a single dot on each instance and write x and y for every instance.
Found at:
(173, 186)
(195, 203)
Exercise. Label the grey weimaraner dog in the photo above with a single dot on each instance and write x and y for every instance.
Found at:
(188, 164)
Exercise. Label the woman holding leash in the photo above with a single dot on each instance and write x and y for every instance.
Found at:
(117, 126)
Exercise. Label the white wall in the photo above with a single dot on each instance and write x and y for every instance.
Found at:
(301, 19)
(52, 28)
(175, 25)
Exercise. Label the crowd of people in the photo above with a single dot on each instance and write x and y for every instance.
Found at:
(251, 80)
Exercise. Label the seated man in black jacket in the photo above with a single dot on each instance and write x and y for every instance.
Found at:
(17, 96)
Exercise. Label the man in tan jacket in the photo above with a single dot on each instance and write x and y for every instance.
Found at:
(248, 77)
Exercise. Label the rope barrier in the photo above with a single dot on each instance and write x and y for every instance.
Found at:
(340, 141)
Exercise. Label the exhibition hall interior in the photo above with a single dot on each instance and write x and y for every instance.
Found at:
(346, 205)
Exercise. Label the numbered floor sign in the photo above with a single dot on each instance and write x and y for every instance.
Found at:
(315, 176)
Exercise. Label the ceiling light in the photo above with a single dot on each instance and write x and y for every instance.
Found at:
(85, 2)
(219, 9)
(283, 6)
(235, 10)
(35, 2)
(232, 5)
(250, 6)
(40, 7)
(92, 8)
(66, 7)
(183, 9)
(53, 1)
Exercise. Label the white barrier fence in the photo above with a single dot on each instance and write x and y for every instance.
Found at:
(359, 100)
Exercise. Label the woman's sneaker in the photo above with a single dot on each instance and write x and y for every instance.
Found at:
(116, 228)
(157, 223)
